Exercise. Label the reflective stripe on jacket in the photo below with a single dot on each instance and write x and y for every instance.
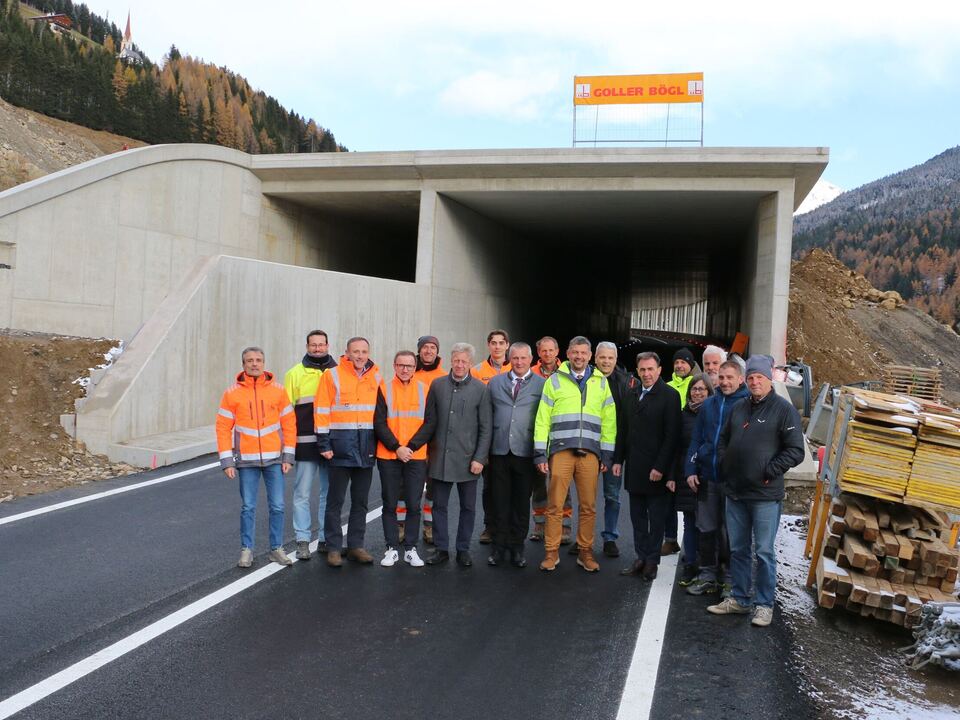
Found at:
(343, 414)
(404, 406)
(301, 383)
(484, 371)
(570, 419)
(255, 423)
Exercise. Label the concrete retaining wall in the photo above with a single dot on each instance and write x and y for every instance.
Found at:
(173, 372)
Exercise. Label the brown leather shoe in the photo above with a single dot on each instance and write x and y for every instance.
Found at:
(635, 568)
(428, 534)
(486, 537)
(551, 561)
(359, 555)
(669, 547)
(586, 561)
(334, 559)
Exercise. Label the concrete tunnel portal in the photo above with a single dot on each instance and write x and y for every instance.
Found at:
(599, 263)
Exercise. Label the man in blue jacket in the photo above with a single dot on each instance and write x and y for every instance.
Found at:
(703, 477)
(761, 440)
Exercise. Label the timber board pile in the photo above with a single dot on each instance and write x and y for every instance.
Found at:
(886, 560)
(898, 448)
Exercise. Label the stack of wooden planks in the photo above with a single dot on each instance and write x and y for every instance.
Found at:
(886, 560)
(935, 472)
(914, 381)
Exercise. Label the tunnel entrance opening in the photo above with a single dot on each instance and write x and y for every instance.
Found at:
(363, 233)
(609, 265)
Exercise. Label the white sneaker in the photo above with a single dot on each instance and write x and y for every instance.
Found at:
(762, 616)
(390, 558)
(728, 606)
(412, 559)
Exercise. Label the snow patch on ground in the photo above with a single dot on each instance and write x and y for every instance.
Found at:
(109, 358)
(852, 666)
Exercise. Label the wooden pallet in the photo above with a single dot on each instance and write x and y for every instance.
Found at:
(923, 383)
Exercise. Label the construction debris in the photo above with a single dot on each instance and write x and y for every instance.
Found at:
(937, 637)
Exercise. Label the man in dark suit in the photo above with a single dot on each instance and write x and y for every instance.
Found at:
(514, 399)
(647, 443)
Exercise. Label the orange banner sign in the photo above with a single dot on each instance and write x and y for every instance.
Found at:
(636, 89)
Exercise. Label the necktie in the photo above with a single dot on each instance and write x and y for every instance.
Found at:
(579, 378)
(643, 393)
(516, 387)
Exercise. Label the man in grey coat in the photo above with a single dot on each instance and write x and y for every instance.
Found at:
(458, 451)
(514, 399)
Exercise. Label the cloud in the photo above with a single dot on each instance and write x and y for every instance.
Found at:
(507, 96)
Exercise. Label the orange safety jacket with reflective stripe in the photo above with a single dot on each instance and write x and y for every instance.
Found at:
(538, 369)
(255, 424)
(485, 371)
(343, 413)
(404, 407)
(428, 376)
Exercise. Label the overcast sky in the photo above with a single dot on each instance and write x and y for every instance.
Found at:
(875, 82)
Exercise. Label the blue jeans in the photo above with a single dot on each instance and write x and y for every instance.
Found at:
(611, 505)
(756, 521)
(307, 471)
(249, 478)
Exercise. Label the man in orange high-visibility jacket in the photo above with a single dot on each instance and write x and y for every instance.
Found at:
(256, 436)
(402, 431)
(429, 368)
(496, 364)
(343, 419)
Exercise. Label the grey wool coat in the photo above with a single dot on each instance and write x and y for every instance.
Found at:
(464, 428)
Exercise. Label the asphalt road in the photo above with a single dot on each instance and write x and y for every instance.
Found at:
(359, 642)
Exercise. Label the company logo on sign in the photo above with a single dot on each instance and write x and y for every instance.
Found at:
(582, 90)
(695, 87)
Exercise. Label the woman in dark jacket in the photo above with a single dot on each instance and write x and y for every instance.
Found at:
(698, 390)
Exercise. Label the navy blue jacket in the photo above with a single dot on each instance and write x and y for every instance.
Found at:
(702, 453)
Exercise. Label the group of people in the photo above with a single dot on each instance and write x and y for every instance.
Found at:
(711, 444)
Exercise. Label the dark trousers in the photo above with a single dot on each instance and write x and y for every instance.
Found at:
(467, 492)
(648, 514)
(401, 481)
(358, 480)
(511, 478)
(671, 525)
(486, 498)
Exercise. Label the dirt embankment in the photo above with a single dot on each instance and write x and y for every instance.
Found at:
(36, 454)
(847, 330)
(33, 145)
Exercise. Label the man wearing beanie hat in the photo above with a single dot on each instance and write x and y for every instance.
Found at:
(429, 368)
(683, 367)
(761, 441)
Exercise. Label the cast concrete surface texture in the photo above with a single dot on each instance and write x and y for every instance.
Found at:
(191, 252)
(309, 641)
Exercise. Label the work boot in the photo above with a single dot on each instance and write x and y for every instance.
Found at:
(610, 549)
(279, 556)
(537, 534)
(762, 616)
(566, 535)
(586, 561)
(435, 557)
(334, 559)
(464, 559)
(728, 607)
(303, 549)
(359, 555)
(322, 547)
(485, 537)
(550, 561)
(246, 558)
(670, 546)
(390, 558)
(428, 534)
(634, 568)
(517, 558)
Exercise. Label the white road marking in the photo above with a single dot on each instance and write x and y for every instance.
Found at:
(105, 493)
(637, 699)
(62, 679)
